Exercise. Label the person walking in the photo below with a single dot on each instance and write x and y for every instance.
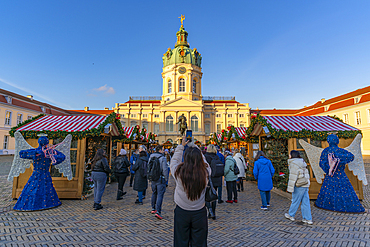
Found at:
(298, 168)
(133, 159)
(141, 181)
(100, 171)
(121, 165)
(240, 162)
(230, 177)
(158, 186)
(217, 168)
(168, 160)
(263, 172)
(219, 188)
(190, 219)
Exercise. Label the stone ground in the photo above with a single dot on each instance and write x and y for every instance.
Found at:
(123, 223)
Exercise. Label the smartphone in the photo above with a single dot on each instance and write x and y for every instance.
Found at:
(189, 135)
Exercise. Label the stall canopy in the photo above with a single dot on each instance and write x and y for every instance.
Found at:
(78, 126)
(300, 126)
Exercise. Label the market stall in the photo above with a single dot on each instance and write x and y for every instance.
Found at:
(278, 135)
(88, 134)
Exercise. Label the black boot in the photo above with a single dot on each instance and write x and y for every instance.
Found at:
(98, 206)
(95, 204)
(119, 195)
(211, 213)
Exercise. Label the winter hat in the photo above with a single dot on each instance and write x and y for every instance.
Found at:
(122, 152)
(227, 152)
(166, 150)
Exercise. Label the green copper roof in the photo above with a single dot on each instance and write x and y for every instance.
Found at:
(182, 53)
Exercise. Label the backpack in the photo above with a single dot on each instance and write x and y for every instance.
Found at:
(120, 165)
(154, 169)
(217, 167)
(144, 168)
(236, 169)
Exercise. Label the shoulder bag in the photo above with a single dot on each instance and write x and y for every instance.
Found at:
(211, 194)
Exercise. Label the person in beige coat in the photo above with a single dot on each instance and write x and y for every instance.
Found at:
(240, 162)
(298, 168)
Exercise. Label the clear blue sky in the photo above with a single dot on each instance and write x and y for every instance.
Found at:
(271, 54)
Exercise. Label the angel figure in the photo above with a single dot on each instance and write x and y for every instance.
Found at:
(39, 192)
(337, 193)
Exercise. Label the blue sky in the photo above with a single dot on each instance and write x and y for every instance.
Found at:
(271, 54)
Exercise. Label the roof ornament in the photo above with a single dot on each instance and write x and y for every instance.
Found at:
(182, 18)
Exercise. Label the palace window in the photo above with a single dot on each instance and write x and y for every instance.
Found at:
(357, 100)
(156, 115)
(6, 142)
(358, 117)
(133, 124)
(169, 86)
(241, 125)
(123, 123)
(207, 115)
(8, 99)
(241, 115)
(182, 85)
(218, 115)
(8, 118)
(145, 126)
(207, 129)
(43, 109)
(19, 118)
(194, 86)
(194, 123)
(145, 115)
(29, 117)
(229, 115)
(368, 115)
(133, 115)
(345, 118)
(122, 116)
(218, 128)
(156, 128)
(169, 123)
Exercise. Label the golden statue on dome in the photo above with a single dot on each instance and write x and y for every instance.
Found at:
(182, 18)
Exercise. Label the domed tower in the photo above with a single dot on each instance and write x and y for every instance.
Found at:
(182, 72)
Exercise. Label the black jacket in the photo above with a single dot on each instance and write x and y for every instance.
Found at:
(102, 166)
(217, 181)
(121, 164)
(140, 182)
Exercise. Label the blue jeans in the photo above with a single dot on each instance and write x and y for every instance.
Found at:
(168, 175)
(99, 179)
(158, 188)
(265, 197)
(300, 195)
(140, 195)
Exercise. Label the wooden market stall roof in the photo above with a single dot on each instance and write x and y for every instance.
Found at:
(78, 126)
(301, 126)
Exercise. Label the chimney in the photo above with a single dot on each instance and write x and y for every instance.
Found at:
(30, 97)
(106, 108)
(86, 108)
(322, 100)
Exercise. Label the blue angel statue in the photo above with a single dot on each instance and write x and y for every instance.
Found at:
(39, 192)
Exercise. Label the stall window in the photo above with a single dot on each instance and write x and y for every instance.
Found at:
(54, 172)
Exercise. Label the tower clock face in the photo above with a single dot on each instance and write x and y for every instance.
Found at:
(182, 70)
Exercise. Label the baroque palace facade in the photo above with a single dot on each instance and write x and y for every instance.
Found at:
(182, 95)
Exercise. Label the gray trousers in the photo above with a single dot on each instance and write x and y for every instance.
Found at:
(99, 179)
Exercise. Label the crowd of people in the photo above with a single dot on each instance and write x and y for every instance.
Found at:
(192, 167)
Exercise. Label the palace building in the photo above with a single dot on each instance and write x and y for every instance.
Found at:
(182, 95)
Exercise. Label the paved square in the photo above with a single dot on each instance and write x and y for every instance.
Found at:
(123, 223)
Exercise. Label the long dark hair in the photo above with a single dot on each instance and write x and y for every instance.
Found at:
(98, 156)
(259, 154)
(193, 173)
(295, 154)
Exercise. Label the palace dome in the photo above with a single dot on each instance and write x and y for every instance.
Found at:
(182, 53)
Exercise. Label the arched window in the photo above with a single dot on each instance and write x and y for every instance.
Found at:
(169, 123)
(194, 123)
(182, 85)
(169, 86)
(194, 86)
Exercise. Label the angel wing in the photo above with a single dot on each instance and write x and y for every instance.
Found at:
(313, 154)
(65, 167)
(19, 165)
(357, 165)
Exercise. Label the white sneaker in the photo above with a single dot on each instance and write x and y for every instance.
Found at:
(307, 221)
(289, 217)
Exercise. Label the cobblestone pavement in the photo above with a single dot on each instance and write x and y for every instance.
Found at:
(123, 223)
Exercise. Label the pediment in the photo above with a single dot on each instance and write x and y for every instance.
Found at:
(181, 103)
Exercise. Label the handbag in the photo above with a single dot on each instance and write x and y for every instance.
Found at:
(302, 179)
(211, 194)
